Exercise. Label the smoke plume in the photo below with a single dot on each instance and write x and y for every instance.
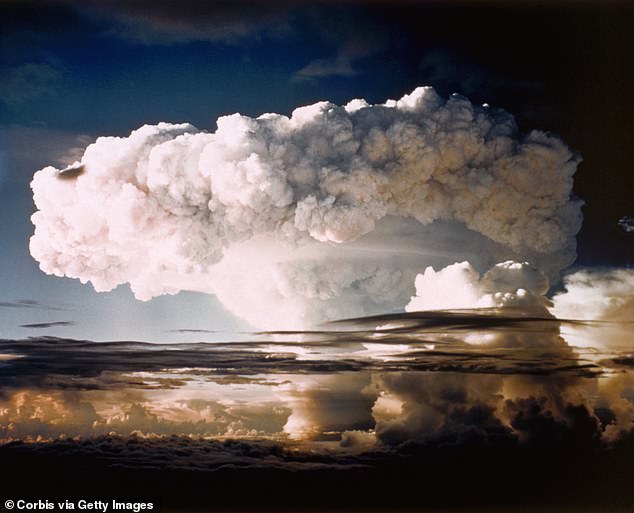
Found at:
(328, 213)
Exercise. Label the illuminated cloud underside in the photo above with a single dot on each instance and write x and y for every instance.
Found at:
(427, 383)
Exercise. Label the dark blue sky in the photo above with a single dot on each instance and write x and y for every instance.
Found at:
(72, 71)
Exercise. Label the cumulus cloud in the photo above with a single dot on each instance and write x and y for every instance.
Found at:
(327, 405)
(462, 408)
(49, 413)
(328, 213)
(508, 288)
(353, 411)
(461, 286)
(603, 295)
(616, 392)
(432, 406)
(458, 392)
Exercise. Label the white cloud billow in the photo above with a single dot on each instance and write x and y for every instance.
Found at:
(600, 294)
(461, 286)
(330, 212)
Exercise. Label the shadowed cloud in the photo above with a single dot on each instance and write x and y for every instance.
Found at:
(26, 303)
(399, 393)
(44, 325)
(429, 341)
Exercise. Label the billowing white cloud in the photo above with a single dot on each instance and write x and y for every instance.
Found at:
(604, 295)
(326, 213)
(512, 288)
(460, 286)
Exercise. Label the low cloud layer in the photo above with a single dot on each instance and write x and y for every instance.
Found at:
(370, 384)
(328, 213)
(412, 395)
(507, 284)
(44, 325)
(469, 341)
